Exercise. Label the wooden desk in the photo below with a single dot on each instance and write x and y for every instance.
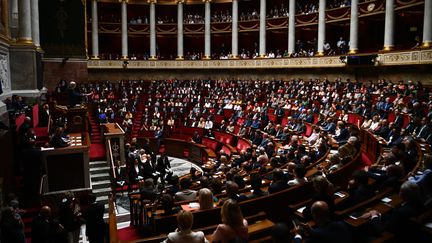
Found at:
(67, 168)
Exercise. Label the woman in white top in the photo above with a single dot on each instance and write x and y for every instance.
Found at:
(184, 233)
(375, 123)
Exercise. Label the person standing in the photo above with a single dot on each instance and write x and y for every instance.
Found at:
(95, 224)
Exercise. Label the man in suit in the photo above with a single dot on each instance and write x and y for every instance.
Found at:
(278, 183)
(279, 112)
(44, 116)
(330, 127)
(398, 221)
(59, 140)
(326, 230)
(44, 229)
(74, 96)
(423, 131)
(95, 224)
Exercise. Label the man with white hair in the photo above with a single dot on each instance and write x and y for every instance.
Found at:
(74, 96)
(348, 150)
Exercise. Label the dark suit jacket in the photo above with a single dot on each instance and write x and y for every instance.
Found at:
(343, 136)
(43, 118)
(398, 222)
(95, 224)
(277, 186)
(336, 231)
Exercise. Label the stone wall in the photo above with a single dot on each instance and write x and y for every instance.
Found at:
(67, 69)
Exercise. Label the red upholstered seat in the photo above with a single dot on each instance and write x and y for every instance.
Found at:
(308, 129)
(226, 150)
(19, 121)
(40, 132)
(210, 143)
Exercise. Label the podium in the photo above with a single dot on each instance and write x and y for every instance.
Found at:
(77, 117)
(114, 142)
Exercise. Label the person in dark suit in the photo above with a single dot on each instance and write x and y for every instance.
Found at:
(147, 190)
(343, 135)
(162, 166)
(330, 126)
(136, 171)
(383, 130)
(196, 138)
(358, 189)
(59, 140)
(74, 96)
(278, 183)
(326, 230)
(44, 116)
(121, 176)
(44, 229)
(398, 221)
(95, 224)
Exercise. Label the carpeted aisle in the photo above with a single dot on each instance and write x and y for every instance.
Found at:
(97, 147)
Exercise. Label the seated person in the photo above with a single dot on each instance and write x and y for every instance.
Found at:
(167, 202)
(323, 192)
(398, 221)
(232, 193)
(147, 189)
(358, 189)
(299, 176)
(205, 199)
(184, 233)
(278, 183)
(326, 230)
(256, 184)
(234, 227)
(59, 139)
(185, 194)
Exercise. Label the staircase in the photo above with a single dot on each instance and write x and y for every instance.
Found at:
(100, 180)
(97, 147)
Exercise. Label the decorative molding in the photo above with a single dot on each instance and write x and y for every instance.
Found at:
(414, 57)
(313, 62)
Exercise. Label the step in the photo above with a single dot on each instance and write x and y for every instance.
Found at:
(99, 169)
(101, 192)
(101, 184)
(97, 163)
(100, 176)
(102, 199)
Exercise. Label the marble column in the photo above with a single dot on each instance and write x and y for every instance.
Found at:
(291, 27)
(353, 40)
(427, 24)
(35, 23)
(13, 18)
(389, 26)
(124, 31)
(95, 31)
(24, 18)
(152, 29)
(321, 27)
(207, 30)
(262, 29)
(234, 30)
(180, 29)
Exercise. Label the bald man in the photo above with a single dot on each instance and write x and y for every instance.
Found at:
(326, 230)
(44, 229)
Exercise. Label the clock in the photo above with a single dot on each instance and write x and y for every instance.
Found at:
(371, 7)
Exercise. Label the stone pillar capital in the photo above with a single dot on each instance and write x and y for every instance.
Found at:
(207, 1)
(122, 1)
(152, 1)
(180, 1)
